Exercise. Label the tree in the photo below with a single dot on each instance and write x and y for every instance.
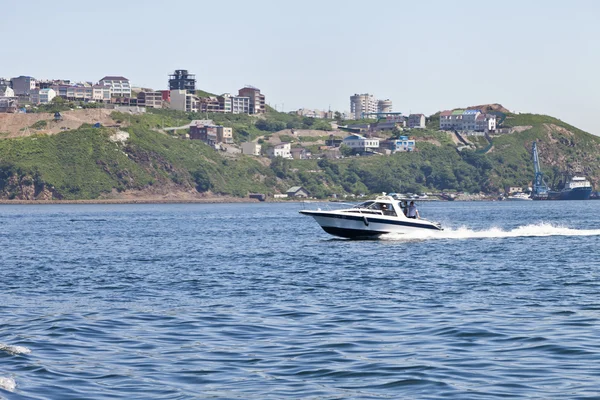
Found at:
(346, 150)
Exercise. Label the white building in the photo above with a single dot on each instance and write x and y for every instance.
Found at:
(283, 150)
(42, 96)
(360, 143)
(467, 120)
(363, 104)
(119, 85)
(251, 148)
(416, 121)
(183, 101)
(240, 105)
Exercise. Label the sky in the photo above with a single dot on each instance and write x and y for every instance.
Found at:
(530, 56)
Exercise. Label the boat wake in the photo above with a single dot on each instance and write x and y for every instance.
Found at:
(7, 383)
(14, 349)
(533, 230)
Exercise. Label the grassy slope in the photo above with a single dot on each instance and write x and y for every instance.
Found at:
(84, 163)
(561, 147)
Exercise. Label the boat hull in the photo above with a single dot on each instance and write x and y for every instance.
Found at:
(576, 194)
(367, 226)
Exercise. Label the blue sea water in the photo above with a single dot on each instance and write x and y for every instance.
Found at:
(255, 301)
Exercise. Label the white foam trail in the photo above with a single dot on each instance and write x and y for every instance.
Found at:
(14, 349)
(541, 229)
(7, 384)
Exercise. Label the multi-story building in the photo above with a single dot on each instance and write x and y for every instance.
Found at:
(211, 134)
(119, 85)
(224, 134)
(240, 105)
(416, 121)
(206, 133)
(257, 100)
(183, 101)
(283, 150)
(209, 105)
(361, 143)
(182, 80)
(467, 120)
(225, 103)
(42, 96)
(23, 85)
(361, 104)
(384, 106)
(150, 99)
(101, 93)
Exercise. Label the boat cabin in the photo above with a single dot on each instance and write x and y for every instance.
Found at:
(382, 205)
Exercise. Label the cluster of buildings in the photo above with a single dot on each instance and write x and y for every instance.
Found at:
(118, 90)
(467, 121)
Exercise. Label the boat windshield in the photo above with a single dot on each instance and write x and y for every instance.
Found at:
(366, 204)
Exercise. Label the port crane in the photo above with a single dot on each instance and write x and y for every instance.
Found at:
(540, 189)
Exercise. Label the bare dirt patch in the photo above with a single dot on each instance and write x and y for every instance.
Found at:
(19, 125)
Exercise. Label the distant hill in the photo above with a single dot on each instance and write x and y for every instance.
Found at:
(89, 163)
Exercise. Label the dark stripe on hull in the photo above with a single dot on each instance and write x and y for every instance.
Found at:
(352, 233)
(378, 220)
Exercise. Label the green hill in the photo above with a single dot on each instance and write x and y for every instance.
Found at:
(86, 164)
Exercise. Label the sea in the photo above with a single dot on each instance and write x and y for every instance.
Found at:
(255, 301)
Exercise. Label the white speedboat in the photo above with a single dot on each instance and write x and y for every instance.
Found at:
(519, 196)
(371, 219)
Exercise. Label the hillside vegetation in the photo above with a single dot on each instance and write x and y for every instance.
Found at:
(88, 163)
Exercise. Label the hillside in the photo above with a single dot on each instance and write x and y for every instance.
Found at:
(138, 159)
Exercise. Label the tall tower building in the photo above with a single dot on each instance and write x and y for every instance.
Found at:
(361, 104)
(182, 80)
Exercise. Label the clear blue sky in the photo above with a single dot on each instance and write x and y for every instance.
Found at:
(529, 55)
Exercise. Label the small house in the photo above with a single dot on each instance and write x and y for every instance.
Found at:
(297, 191)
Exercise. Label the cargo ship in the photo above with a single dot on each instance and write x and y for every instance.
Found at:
(577, 188)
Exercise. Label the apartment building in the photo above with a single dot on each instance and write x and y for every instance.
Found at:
(364, 104)
(225, 103)
(416, 121)
(257, 100)
(361, 104)
(240, 105)
(23, 85)
(209, 105)
(120, 86)
(183, 101)
(42, 96)
(150, 99)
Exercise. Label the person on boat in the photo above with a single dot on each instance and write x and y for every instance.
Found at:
(412, 211)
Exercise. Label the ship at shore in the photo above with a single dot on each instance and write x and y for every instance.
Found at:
(577, 188)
